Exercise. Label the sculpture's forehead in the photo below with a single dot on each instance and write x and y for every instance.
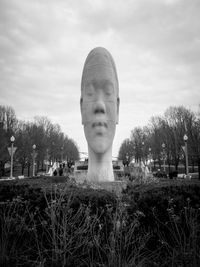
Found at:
(98, 57)
(99, 72)
(99, 64)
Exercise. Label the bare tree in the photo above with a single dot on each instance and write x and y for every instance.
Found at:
(126, 151)
(179, 121)
(169, 130)
(8, 124)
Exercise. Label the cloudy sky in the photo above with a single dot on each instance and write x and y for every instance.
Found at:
(44, 43)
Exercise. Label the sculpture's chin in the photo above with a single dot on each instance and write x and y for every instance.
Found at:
(99, 141)
(100, 145)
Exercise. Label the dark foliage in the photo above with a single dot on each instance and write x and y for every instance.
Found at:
(40, 213)
(170, 211)
(49, 223)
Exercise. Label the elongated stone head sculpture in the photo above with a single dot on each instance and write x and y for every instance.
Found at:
(99, 110)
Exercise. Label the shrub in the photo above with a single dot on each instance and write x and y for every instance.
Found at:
(57, 225)
(47, 223)
(172, 217)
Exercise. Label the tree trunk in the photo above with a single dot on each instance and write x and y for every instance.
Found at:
(176, 164)
(199, 166)
(169, 167)
(2, 169)
(23, 167)
(193, 164)
(29, 168)
(159, 163)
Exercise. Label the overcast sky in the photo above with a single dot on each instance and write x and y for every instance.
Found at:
(44, 43)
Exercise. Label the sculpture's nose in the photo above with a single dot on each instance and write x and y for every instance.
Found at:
(99, 107)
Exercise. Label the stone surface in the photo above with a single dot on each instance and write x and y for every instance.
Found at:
(99, 111)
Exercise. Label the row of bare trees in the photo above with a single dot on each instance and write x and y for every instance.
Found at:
(51, 143)
(163, 138)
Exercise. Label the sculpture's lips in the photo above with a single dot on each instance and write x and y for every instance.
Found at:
(99, 124)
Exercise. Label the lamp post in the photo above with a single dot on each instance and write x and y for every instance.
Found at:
(62, 154)
(185, 138)
(47, 160)
(163, 147)
(143, 159)
(150, 158)
(134, 152)
(34, 155)
(127, 157)
(53, 152)
(12, 139)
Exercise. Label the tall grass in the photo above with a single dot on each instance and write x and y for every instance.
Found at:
(13, 229)
(80, 237)
(64, 231)
(179, 236)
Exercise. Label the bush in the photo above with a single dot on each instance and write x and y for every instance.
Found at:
(49, 223)
(171, 214)
(57, 226)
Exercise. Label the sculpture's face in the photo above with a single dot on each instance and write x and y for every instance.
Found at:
(99, 106)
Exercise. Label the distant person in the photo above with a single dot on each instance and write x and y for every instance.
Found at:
(60, 171)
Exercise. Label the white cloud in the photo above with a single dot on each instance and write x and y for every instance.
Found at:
(43, 46)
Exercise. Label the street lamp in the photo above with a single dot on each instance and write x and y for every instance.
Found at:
(12, 139)
(127, 157)
(143, 158)
(34, 155)
(62, 154)
(163, 147)
(53, 152)
(134, 152)
(150, 158)
(47, 160)
(185, 138)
